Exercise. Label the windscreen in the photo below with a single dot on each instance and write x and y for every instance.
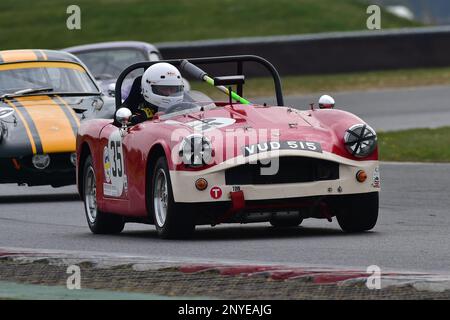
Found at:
(193, 101)
(61, 77)
(109, 63)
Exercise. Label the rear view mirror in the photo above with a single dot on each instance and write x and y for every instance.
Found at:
(123, 116)
(112, 89)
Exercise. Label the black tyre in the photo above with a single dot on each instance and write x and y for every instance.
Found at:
(99, 222)
(172, 220)
(359, 212)
(286, 222)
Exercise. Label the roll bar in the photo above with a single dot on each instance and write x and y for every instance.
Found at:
(240, 60)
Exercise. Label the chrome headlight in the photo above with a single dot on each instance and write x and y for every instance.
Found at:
(41, 161)
(196, 150)
(6, 112)
(360, 140)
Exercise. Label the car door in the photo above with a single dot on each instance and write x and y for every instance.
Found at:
(113, 172)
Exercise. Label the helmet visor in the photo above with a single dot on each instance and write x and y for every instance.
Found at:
(167, 91)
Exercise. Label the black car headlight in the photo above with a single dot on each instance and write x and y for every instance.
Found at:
(41, 161)
(5, 112)
(3, 131)
(196, 150)
(360, 140)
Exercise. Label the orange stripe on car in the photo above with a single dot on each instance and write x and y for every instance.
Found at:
(25, 124)
(54, 127)
(18, 55)
(29, 65)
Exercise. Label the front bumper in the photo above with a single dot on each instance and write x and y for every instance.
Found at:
(184, 190)
(60, 172)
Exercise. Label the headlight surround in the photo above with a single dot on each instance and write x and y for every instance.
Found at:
(6, 112)
(196, 150)
(41, 161)
(360, 140)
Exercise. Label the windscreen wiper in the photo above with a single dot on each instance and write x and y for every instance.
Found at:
(25, 92)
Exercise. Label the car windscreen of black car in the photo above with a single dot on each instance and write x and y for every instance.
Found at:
(61, 77)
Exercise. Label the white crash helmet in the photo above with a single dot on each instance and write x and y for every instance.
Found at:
(162, 85)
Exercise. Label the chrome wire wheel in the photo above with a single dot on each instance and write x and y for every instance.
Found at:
(90, 195)
(160, 197)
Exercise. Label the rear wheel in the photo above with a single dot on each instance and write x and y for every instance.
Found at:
(359, 212)
(99, 222)
(286, 222)
(172, 220)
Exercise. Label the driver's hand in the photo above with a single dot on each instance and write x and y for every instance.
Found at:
(137, 118)
(142, 115)
(148, 112)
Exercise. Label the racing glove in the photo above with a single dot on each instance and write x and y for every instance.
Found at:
(142, 115)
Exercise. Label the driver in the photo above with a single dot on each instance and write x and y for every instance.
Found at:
(161, 87)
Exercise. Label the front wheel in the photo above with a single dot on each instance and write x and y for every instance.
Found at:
(359, 212)
(172, 220)
(99, 222)
(286, 222)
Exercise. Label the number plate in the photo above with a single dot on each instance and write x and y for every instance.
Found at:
(282, 145)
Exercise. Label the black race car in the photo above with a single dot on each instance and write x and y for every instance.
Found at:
(106, 60)
(44, 95)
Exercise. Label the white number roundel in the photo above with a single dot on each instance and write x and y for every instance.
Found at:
(117, 167)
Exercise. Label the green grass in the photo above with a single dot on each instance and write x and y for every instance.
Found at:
(417, 145)
(257, 87)
(42, 24)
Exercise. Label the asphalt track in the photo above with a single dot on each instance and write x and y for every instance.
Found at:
(385, 110)
(412, 233)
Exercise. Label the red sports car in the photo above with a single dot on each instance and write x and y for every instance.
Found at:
(210, 162)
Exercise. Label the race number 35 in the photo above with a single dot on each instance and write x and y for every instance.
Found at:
(114, 161)
(116, 152)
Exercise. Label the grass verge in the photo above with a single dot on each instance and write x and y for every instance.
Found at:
(42, 24)
(416, 145)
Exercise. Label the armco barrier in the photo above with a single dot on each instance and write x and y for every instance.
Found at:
(329, 52)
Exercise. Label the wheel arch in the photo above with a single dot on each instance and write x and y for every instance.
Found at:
(156, 151)
(85, 151)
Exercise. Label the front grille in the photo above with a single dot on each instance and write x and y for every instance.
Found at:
(58, 162)
(290, 170)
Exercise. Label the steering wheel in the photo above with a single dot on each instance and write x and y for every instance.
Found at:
(181, 106)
